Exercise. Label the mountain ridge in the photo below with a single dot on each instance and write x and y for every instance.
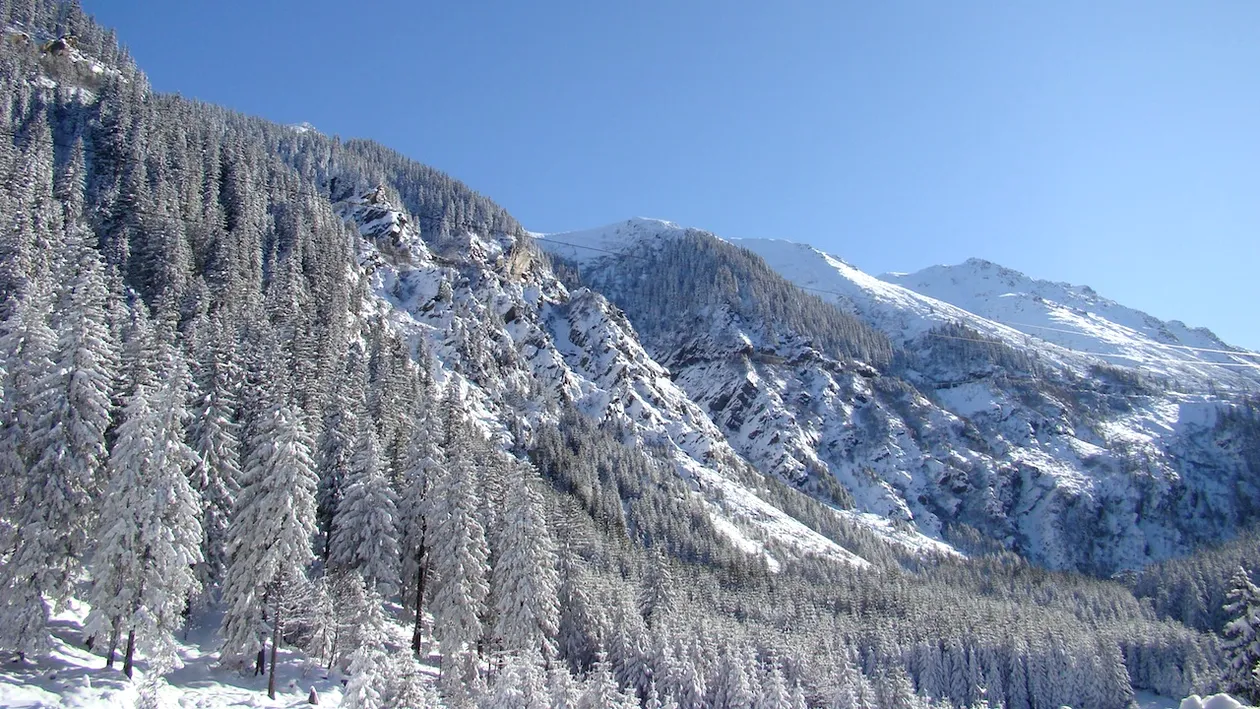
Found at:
(1131, 335)
(666, 470)
(973, 411)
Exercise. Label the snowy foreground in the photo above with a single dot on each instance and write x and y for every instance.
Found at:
(1216, 701)
(74, 677)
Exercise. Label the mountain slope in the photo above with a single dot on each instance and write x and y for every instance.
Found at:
(972, 423)
(542, 490)
(1078, 318)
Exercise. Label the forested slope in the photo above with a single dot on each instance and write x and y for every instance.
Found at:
(339, 403)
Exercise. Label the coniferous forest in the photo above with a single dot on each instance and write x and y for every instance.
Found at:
(282, 392)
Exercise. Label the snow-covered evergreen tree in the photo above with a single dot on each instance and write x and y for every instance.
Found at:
(774, 691)
(525, 580)
(731, 688)
(363, 690)
(215, 436)
(601, 689)
(459, 565)
(150, 539)
(52, 445)
(336, 445)
(414, 510)
(406, 683)
(519, 685)
(269, 540)
(1242, 636)
(656, 597)
(561, 688)
(578, 627)
(365, 527)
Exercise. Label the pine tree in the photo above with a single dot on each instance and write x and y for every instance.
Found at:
(217, 477)
(525, 574)
(406, 685)
(459, 563)
(362, 691)
(269, 539)
(731, 688)
(518, 685)
(365, 531)
(688, 685)
(150, 537)
(774, 691)
(601, 689)
(577, 641)
(656, 598)
(1242, 636)
(423, 463)
(337, 443)
(561, 688)
(36, 508)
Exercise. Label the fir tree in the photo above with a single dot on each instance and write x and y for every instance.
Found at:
(577, 640)
(524, 577)
(363, 689)
(365, 528)
(337, 444)
(414, 509)
(150, 537)
(1242, 636)
(269, 539)
(41, 512)
(459, 563)
(217, 477)
(656, 598)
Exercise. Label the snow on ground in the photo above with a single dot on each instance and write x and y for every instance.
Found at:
(1216, 701)
(73, 677)
(906, 536)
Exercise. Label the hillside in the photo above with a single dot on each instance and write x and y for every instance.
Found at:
(927, 413)
(283, 411)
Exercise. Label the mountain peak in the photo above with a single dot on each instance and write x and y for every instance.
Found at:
(1075, 317)
(586, 245)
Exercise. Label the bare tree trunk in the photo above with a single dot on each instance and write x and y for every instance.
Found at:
(422, 571)
(129, 658)
(275, 640)
(113, 646)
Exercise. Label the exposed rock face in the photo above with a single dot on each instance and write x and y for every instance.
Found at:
(1058, 455)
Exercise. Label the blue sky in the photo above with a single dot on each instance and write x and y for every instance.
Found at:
(1112, 144)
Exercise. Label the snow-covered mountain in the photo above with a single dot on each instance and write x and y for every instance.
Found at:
(1053, 451)
(494, 316)
(259, 381)
(1020, 311)
(1078, 318)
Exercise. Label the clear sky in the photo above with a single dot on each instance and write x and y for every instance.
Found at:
(1114, 144)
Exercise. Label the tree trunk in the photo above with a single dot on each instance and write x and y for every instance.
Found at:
(129, 659)
(275, 640)
(421, 572)
(113, 646)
